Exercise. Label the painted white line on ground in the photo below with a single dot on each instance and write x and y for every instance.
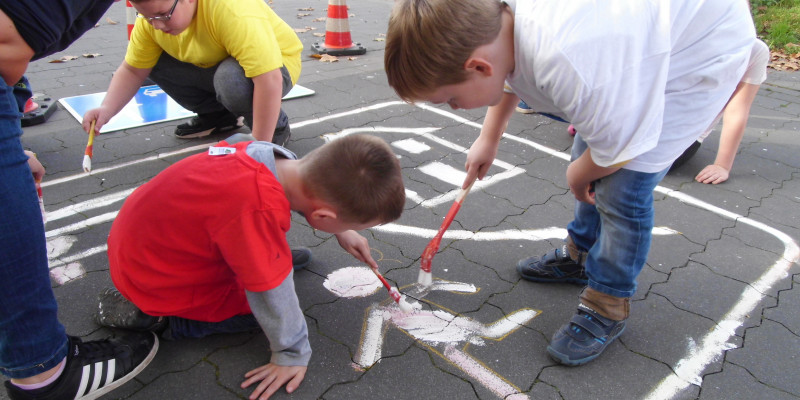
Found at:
(444, 172)
(88, 205)
(78, 257)
(87, 223)
(688, 371)
(99, 171)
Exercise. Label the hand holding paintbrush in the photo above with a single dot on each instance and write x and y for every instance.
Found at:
(87, 155)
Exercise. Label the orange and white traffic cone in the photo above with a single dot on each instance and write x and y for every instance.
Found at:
(130, 14)
(337, 33)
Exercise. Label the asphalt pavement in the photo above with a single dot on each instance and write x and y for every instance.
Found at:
(715, 315)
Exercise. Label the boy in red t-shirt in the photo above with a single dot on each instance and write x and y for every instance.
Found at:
(201, 248)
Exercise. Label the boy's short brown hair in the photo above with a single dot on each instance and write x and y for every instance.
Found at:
(429, 41)
(359, 175)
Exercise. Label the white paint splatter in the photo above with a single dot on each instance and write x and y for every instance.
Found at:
(352, 282)
(67, 273)
(412, 146)
(448, 286)
(59, 245)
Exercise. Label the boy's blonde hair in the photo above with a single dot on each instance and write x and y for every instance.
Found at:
(429, 41)
(359, 175)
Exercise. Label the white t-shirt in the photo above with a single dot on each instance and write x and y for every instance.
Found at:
(756, 74)
(639, 79)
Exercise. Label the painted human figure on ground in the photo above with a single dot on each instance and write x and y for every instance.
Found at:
(439, 329)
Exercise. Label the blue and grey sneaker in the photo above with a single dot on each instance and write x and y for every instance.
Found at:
(524, 108)
(554, 267)
(584, 337)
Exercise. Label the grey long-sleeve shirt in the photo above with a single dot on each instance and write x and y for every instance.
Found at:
(278, 310)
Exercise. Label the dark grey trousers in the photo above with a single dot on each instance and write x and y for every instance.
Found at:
(207, 90)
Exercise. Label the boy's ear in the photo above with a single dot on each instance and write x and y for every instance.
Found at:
(322, 213)
(479, 65)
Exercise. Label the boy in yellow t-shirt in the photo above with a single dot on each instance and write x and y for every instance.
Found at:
(221, 59)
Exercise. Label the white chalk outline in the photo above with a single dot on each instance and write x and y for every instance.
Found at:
(689, 369)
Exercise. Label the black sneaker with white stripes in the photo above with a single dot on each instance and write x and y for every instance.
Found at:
(95, 368)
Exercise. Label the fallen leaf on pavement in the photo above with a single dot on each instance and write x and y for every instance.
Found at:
(111, 21)
(92, 55)
(320, 19)
(318, 34)
(328, 58)
(63, 59)
(306, 9)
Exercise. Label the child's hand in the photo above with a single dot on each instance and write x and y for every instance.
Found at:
(98, 114)
(357, 246)
(479, 159)
(712, 174)
(581, 188)
(36, 167)
(272, 377)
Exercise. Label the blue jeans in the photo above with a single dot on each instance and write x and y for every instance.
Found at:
(207, 90)
(31, 338)
(617, 230)
(180, 328)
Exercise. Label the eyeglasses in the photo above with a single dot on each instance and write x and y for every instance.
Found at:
(162, 18)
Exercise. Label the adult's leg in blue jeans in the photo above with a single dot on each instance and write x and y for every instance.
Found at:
(32, 340)
(235, 90)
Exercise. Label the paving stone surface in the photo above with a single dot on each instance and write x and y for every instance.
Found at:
(715, 315)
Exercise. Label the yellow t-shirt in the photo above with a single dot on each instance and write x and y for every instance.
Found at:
(247, 30)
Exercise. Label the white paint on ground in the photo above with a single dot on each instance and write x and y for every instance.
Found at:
(66, 273)
(412, 146)
(444, 173)
(87, 223)
(664, 231)
(57, 262)
(88, 205)
(352, 282)
(689, 370)
(447, 286)
(414, 196)
(59, 245)
(99, 171)
(484, 375)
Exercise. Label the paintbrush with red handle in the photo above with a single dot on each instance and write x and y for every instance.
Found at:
(425, 276)
(394, 293)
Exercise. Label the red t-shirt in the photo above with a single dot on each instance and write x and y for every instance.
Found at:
(188, 242)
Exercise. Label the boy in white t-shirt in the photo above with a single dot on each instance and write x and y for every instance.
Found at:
(734, 120)
(640, 80)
